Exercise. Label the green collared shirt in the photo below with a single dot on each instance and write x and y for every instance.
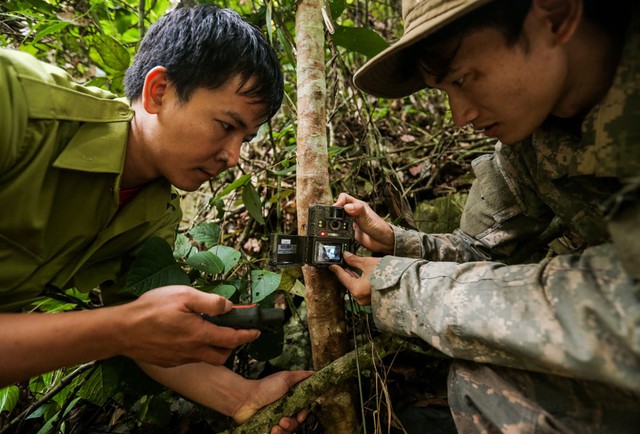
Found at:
(62, 149)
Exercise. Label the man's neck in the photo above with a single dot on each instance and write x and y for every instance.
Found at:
(593, 57)
(133, 174)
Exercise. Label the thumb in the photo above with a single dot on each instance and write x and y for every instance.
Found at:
(211, 304)
(351, 259)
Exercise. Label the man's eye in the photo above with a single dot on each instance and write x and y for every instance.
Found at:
(459, 82)
(226, 126)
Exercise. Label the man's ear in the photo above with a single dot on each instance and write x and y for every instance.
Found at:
(560, 17)
(154, 89)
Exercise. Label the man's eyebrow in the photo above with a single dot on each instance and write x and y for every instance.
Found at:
(236, 117)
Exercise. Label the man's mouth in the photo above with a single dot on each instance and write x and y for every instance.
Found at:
(488, 130)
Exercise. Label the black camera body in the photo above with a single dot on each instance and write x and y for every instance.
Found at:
(329, 234)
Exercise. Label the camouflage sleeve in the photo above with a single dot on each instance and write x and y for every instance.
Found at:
(572, 315)
(501, 217)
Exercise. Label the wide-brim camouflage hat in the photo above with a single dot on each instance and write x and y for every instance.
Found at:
(385, 75)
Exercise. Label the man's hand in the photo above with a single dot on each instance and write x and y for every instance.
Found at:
(371, 230)
(268, 390)
(228, 393)
(164, 327)
(358, 284)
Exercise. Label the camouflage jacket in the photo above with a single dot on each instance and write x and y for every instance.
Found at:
(572, 314)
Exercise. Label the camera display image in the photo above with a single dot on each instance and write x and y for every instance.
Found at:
(328, 253)
(329, 234)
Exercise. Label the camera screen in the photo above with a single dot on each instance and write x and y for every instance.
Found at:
(328, 253)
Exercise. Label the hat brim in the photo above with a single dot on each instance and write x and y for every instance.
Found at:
(384, 75)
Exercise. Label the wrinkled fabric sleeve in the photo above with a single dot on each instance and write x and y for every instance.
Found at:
(499, 219)
(14, 116)
(573, 315)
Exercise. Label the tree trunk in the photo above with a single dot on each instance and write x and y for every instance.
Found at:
(325, 301)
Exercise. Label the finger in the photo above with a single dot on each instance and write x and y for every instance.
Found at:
(342, 199)
(302, 415)
(287, 425)
(343, 275)
(226, 337)
(294, 377)
(211, 304)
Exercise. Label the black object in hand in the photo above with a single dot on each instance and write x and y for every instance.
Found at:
(249, 316)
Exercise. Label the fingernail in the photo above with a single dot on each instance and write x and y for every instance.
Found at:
(227, 305)
(348, 207)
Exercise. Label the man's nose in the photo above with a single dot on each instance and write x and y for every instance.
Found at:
(231, 155)
(463, 111)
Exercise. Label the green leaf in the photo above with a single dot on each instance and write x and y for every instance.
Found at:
(251, 201)
(336, 7)
(225, 291)
(358, 39)
(233, 186)
(228, 255)
(182, 247)
(206, 262)
(205, 233)
(114, 55)
(9, 398)
(264, 283)
(48, 29)
(154, 267)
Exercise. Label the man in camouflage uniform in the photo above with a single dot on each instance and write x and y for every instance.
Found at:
(552, 346)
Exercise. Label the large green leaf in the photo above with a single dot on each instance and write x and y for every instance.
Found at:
(251, 201)
(182, 247)
(223, 290)
(205, 233)
(9, 398)
(206, 262)
(359, 39)
(114, 55)
(263, 284)
(154, 267)
(228, 255)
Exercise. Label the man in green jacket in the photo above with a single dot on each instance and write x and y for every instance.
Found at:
(87, 177)
(550, 346)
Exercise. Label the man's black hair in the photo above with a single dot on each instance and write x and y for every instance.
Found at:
(507, 16)
(205, 47)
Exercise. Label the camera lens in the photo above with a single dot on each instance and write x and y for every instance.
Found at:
(334, 225)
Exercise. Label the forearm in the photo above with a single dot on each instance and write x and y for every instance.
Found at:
(456, 247)
(575, 316)
(215, 387)
(35, 343)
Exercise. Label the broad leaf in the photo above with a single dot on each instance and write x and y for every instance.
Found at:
(182, 247)
(251, 201)
(205, 233)
(228, 255)
(360, 40)
(264, 283)
(225, 291)
(9, 398)
(206, 262)
(114, 55)
(154, 267)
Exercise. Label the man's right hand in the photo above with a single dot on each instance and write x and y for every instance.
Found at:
(371, 230)
(164, 327)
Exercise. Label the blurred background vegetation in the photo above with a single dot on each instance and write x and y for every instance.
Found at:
(402, 156)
